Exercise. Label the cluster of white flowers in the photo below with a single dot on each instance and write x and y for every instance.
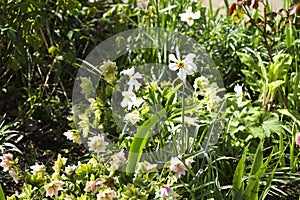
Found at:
(97, 144)
(201, 83)
(117, 160)
(129, 97)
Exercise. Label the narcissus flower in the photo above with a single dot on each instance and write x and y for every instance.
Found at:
(189, 16)
(129, 99)
(239, 93)
(185, 66)
(133, 79)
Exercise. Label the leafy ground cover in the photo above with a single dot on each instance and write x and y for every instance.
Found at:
(177, 101)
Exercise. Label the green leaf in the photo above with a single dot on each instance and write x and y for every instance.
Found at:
(266, 190)
(167, 9)
(238, 184)
(86, 86)
(282, 63)
(249, 61)
(275, 84)
(258, 132)
(140, 140)
(272, 125)
(2, 197)
(263, 69)
(257, 163)
(292, 114)
(251, 190)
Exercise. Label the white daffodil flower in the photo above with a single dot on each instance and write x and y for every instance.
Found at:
(185, 66)
(189, 16)
(133, 82)
(128, 100)
(239, 93)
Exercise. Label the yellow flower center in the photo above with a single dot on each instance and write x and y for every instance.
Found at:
(190, 18)
(180, 64)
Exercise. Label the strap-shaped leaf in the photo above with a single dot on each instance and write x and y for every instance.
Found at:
(2, 197)
(140, 140)
(238, 184)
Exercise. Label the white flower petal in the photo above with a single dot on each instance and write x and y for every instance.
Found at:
(173, 58)
(190, 57)
(173, 66)
(181, 75)
(177, 53)
(128, 72)
(190, 22)
(184, 17)
(189, 10)
(196, 15)
(137, 75)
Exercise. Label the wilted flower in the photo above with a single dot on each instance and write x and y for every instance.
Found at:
(239, 93)
(298, 139)
(201, 83)
(14, 174)
(133, 117)
(37, 168)
(117, 160)
(7, 161)
(185, 66)
(178, 167)
(189, 161)
(133, 82)
(213, 102)
(53, 188)
(164, 192)
(70, 169)
(189, 16)
(191, 121)
(93, 186)
(144, 167)
(97, 144)
(107, 195)
(73, 136)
